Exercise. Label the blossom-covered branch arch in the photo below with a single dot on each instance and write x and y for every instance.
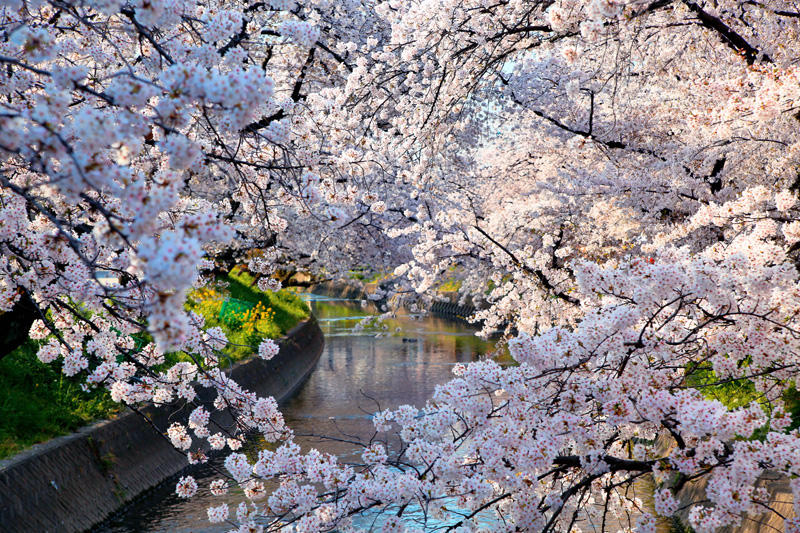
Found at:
(616, 180)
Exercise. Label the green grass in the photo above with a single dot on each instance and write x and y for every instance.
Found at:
(450, 285)
(732, 394)
(740, 393)
(37, 402)
(277, 312)
(366, 275)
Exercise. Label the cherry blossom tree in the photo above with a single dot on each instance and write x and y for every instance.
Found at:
(145, 140)
(616, 180)
(142, 144)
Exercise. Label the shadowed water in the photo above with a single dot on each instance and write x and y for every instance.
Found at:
(356, 372)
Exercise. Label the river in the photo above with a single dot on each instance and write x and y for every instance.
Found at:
(357, 371)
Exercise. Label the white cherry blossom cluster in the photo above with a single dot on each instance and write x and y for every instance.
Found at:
(614, 183)
(268, 349)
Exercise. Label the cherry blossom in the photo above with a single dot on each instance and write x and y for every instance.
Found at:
(613, 183)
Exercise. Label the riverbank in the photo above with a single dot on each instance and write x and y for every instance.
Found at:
(397, 361)
(38, 402)
(72, 482)
(781, 506)
(447, 307)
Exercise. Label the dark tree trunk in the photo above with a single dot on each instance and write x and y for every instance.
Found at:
(15, 324)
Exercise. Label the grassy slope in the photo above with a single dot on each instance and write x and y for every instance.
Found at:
(37, 402)
(276, 312)
(740, 393)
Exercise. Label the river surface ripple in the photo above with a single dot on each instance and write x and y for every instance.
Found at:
(357, 371)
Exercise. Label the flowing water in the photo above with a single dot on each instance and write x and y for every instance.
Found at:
(357, 373)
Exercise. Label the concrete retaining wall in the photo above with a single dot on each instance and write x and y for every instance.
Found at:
(453, 310)
(694, 493)
(71, 483)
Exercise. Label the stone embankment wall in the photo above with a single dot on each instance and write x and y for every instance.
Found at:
(71, 483)
(694, 493)
(451, 309)
(780, 503)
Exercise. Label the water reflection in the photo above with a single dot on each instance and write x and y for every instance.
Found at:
(357, 373)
